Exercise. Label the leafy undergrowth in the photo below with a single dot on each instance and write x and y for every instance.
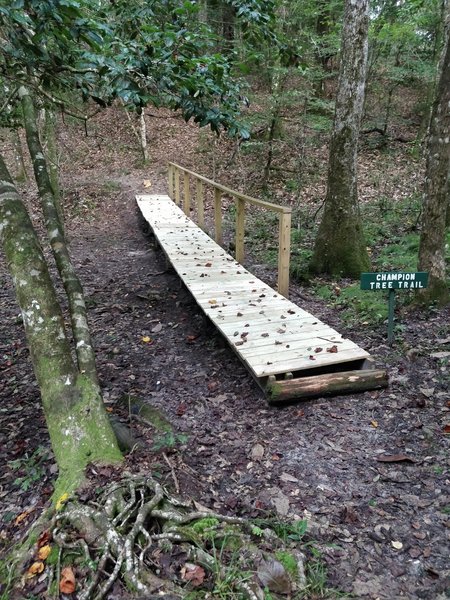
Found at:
(133, 537)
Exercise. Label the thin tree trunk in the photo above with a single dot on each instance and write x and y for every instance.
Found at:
(21, 171)
(51, 148)
(143, 129)
(437, 186)
(339, 247)
(77, 422)
(84, 348)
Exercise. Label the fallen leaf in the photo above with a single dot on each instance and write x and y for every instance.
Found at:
(146, 339)
(333, 349)
(193, 573)
(44, 538)
(61, 501)
(447, 429)
(213, 301)
(288, 478)
(374, 424)
(36, 568)
(264, 335)
(208, 264)
(317, 350)
(273, 575)
(257, 451)
(22, 516)
(311, 357)
(43, 552)
(67, 581)
(390, 458)
(397, 545)
(157, 328)
(181, 409)
(427, 392)
(147, 183)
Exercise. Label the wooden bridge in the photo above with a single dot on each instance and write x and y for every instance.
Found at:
(291, 353)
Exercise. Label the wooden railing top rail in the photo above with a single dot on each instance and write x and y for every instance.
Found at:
(236, 194)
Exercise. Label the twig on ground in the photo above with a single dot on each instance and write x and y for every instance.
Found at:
(174, 477)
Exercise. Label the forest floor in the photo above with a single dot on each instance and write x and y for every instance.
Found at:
(381, 528)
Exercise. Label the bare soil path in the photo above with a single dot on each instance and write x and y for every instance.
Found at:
(370, 472)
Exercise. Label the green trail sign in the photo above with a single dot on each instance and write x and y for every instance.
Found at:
(394, 281)
(398, 280)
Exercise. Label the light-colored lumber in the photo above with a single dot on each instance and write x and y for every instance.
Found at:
(273, 336)
(218, 216)
(240, 229)
(284, 251)
(186, 194)
(200, 203)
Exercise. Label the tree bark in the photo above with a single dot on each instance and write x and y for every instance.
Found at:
(327, 384)
(51, 148)
(84, 348)
(339, 247)
(21, 171)
(437, 187)
(77, 422)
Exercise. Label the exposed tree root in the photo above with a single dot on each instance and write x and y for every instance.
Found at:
(136, 535)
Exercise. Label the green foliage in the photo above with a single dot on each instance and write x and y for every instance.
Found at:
(288, 561)
(30, 469)
(157, 53)
(286, 531)
(169, 440)
(368, 307)
(203, 524)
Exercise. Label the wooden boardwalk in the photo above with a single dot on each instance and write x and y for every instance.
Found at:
(279, 342)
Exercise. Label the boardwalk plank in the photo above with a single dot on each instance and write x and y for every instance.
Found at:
(271, 335)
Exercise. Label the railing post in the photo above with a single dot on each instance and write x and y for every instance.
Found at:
(177, 186)
(284, 249)
(187, 195)
(170, 177)
(200, 203)
(240, 229)
(218, 215)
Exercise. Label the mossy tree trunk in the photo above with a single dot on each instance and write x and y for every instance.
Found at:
(79, 428)
(83, 344)
(339, 247)
(51, 154)
(437, 186)
(78, 425)
(20, 171)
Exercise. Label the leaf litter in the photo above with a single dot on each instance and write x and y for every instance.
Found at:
(343, 495)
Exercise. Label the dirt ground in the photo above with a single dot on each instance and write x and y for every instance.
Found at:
(382, 528)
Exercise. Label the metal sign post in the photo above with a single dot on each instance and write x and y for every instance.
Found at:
(393, 281)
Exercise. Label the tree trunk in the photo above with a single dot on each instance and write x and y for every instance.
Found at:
(21, 171)
(51, 148)
(437, 187)
(323, 56)
(84, 348)
(77, 422)
(143, 129)
(340, 247)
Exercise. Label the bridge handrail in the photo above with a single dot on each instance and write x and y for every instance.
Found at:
(284, 231)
